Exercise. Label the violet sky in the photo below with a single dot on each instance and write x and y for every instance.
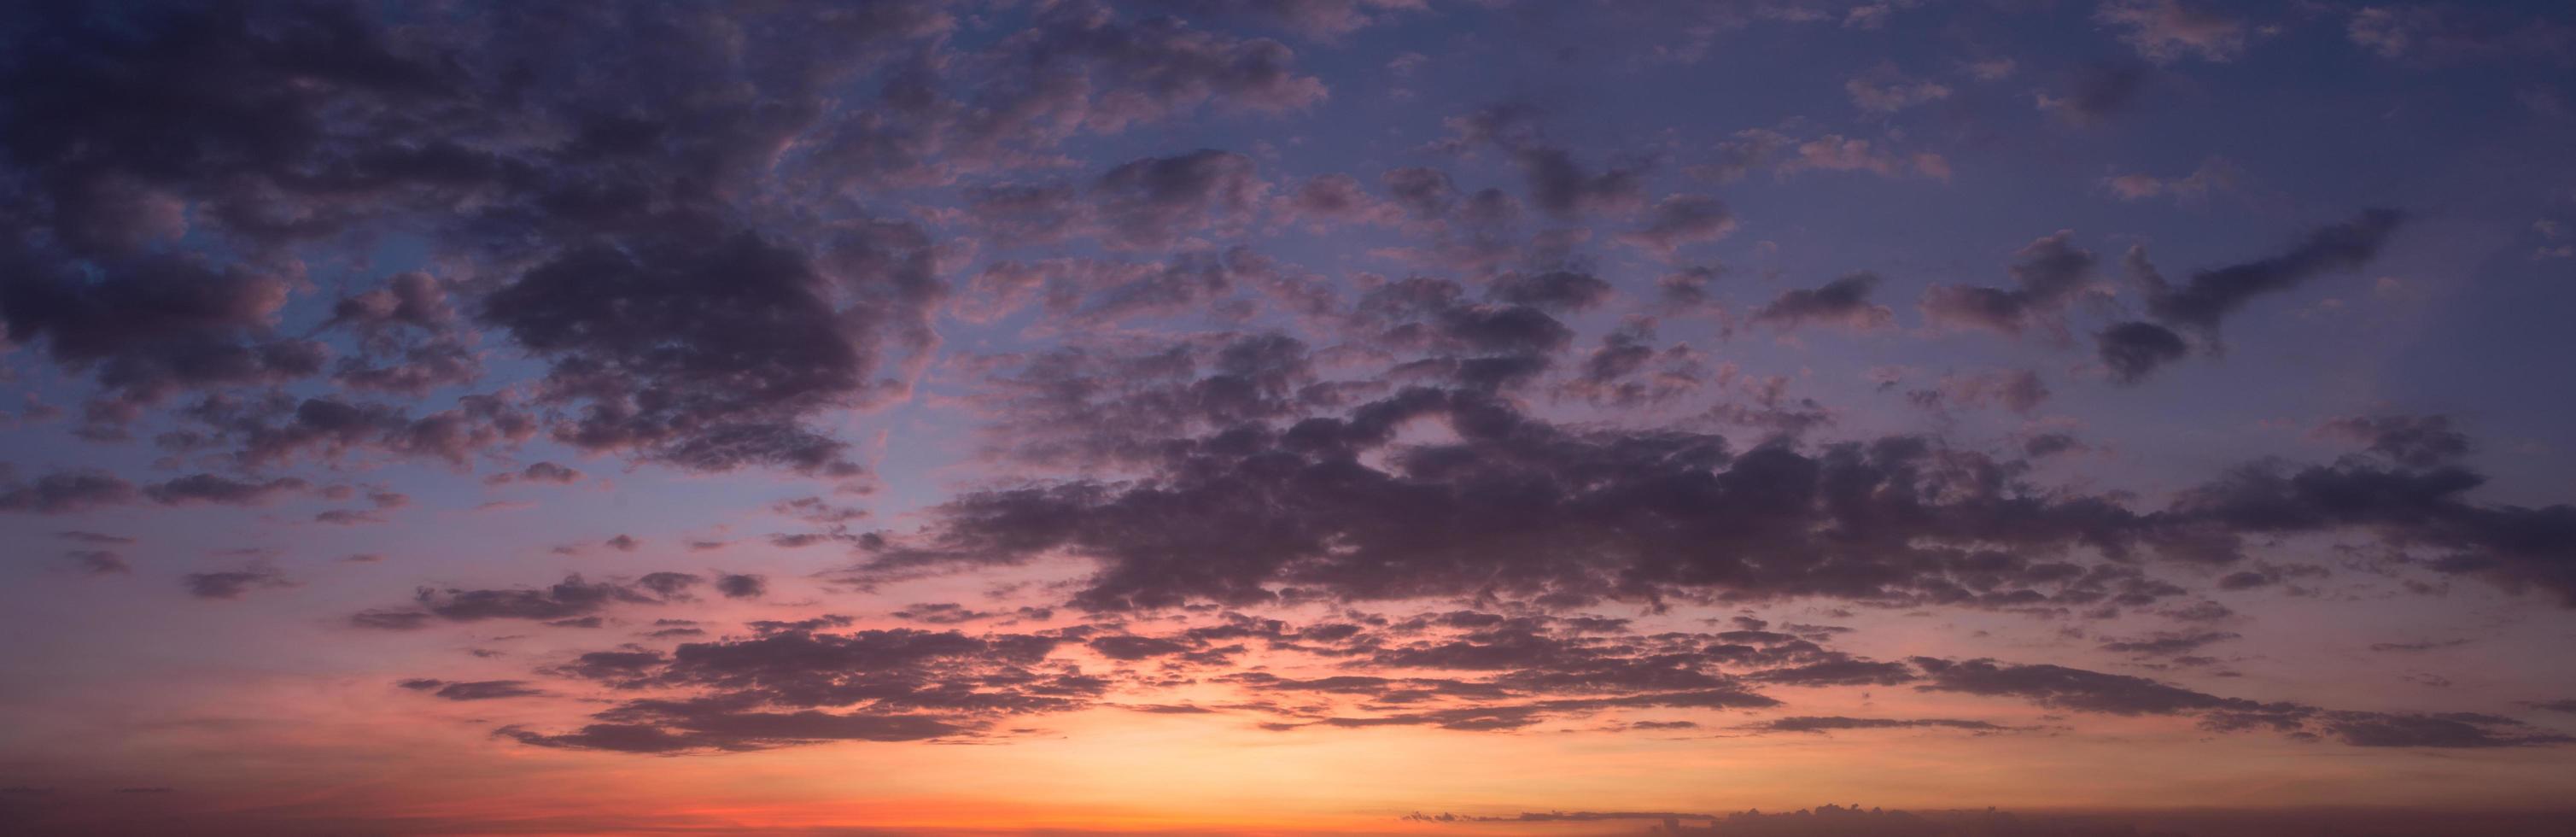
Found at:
(1287, 416)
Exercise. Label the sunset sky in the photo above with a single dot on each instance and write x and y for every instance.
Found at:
(1490, 417)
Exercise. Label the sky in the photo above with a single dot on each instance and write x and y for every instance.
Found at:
(1495, 417)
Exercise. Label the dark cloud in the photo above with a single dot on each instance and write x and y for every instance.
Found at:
(670, 585)
(99, 562)
(2211, 295)
(2090, 691)
(573, 598)
(685, 727)
(710, 351)
(1315, 18)
(277, 429)
(2095, 94)
(1562, 187)
(2167, 30)
(1149, 203)
(2518, 546)
(1137, 647)
(261, 126)
(2136, 348)
(2412, 441)
(472, 689)
(2047, 274)
(1844, 302)
(942, 613)
(549, 472)
(1835, 723)
(778, 689)
(231, 584)
(1339, 198)
(1519, 505)
(2455, 730)
(2072, 688)
(2167, 644)
(742, 585)
(2442, 33)
(2133, 350)
(2020, 391)
(2416, 646)
(1557, 290)
(65, 492)
(152, 328)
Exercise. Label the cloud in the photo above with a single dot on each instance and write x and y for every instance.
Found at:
(66, 492)
(572, 598)
(1834, 723)
(2457, 730)
(742, 585)
(472, 690)
(735, 337)
(775, 690)
(2076, 689)
(2432, 33)
(2134, 350)
(1843, 302)
(2211, 295)
(2412, 441)
(2020, 391)
(550, 472)
(2047, 275)
(2094, 94)
(2212, 176)
(2165, 644)
(2166, 30)
(1888, 91)
(1680, 220)
(233, 583)
(96, 562)
(1149, 203)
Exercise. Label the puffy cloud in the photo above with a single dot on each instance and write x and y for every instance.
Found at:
(98, 562)
(2212, 176)
(2166, 30)
(219, 490)
(1888, 91)
(777, 689)
(1835, 152)
(2094, 94)
(742, 585)
(710, 353)
(1680, 220)
(1844, 302)
(2020, 391)
(2133, 350)
(1149, 203)
(152, 327)
(233, 583)
(2047, 274)
(2412, 441)
(65, 492)
(2211, 295)
(2436, 33)
(571, 599)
